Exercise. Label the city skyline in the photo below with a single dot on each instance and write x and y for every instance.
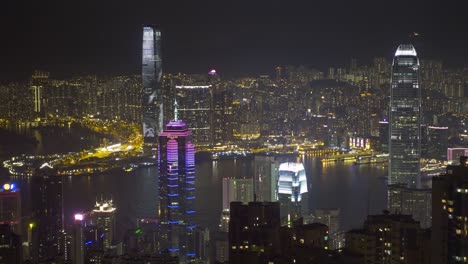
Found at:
(238, 132)
(203, 35)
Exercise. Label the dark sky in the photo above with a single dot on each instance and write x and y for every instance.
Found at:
(236, 37)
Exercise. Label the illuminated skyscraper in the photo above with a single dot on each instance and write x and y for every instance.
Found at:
(152, 89)
(77, 240)
(292, 185)
(37, 84)
(177, 190)
(405, 106)
(103, 215)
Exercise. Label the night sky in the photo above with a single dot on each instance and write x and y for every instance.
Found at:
(237, 38)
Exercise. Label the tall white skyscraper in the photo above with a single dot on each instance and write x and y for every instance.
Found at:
(292, 186)
(405, 124)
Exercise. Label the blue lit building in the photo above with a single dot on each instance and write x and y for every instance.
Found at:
(152, 97)
(177, 191)
(405, 121)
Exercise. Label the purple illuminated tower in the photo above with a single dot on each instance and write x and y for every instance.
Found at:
(177, 190)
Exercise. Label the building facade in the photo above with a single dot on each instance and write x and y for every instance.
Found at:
(450, 215)
(292, 185)
(266, 178)
(47, 209)
(404, 112)
(103, 216)
(411, 201)
(254, 232)
(152, 98)
(194, 106)
(177, 190)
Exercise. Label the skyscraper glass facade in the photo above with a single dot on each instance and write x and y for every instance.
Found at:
(194, 106)
(152, 88)
(292, 185)
(405, 106)
(177, 190)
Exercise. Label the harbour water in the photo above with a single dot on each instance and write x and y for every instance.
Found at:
(356, 190)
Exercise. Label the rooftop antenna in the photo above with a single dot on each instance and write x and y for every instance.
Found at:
(176, 111)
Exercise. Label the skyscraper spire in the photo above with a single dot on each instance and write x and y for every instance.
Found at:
(176, 111)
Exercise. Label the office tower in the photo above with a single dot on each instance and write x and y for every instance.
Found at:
(47, 212)
(292, 186)
(266, 178)
(38, 82)
(103, 216)
(221, 104)
(331, 218)
(177, 190)
(405, 106)
(152, 104)
(77, 242)
(234, 190)
(389, 238)
(411, 201)
(10, 207)
(450, 215)
(239, 190)
(194, 105)
(437, 142)
(10, 245)
(454, 154)
(254, 231)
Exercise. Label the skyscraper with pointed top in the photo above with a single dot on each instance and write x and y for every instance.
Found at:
(176, 207)
(405, 110)
(152, 89)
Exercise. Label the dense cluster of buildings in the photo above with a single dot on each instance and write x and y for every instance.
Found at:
(264, 219)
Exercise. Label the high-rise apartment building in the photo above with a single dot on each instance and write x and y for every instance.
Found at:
(152, 104)
(331, 218)
(177, 190)
(450, 215)
(404, 112)
(389, 238)
(411, 201)
(254, 231)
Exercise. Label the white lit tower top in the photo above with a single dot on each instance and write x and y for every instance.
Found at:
(404, 123)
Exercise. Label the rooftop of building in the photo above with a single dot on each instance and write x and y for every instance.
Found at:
(406, 50)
